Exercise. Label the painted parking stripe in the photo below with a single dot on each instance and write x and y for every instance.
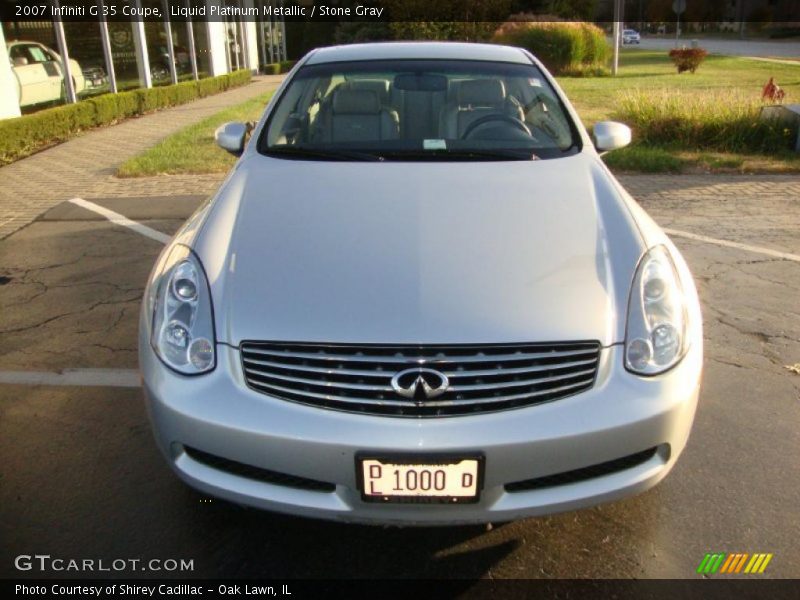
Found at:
(122, 220)
(729, 244)
(126, 378)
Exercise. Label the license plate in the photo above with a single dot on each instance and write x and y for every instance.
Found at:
(449, 480)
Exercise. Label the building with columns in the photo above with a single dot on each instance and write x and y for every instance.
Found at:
(108, 56)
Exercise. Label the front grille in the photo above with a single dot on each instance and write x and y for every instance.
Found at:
(599, 470)
(482, 378)
(257, 473)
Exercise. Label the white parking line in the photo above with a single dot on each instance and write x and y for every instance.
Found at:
(729, 244)
(119, 219)
(127, 378)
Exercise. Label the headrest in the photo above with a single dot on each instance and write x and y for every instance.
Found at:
(355, 102)
(379, 86)
(481, 92)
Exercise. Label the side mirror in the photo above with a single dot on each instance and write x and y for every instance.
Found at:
(20, 61)
(231, 137)
(609, 135)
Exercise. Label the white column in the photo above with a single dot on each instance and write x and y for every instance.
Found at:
(217, 42)
(271, 37)
(66, 69)
(140, 44)
(250, 36)
(173, 68)
(9, 101)
(106, 42)
(262, 43)
(283, 37)
(192, 49)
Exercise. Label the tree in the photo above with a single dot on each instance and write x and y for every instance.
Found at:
(465, 20)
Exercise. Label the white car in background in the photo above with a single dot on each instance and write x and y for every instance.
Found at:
(631, 36)
(39, 73)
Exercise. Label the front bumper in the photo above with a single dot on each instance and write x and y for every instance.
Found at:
(621, 415)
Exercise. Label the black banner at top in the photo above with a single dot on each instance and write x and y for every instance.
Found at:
(384, 11)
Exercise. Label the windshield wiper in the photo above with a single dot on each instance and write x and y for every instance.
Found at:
(321, 153)
(471, 154)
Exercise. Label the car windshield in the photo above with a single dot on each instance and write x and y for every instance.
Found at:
(419, 110)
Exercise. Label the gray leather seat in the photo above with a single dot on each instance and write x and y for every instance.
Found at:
(379, 86)
(356, 115)
(475, 99)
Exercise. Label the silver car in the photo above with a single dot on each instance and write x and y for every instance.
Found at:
(421, 298)
(631, 36)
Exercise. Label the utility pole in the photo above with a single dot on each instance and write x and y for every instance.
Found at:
(616, 35)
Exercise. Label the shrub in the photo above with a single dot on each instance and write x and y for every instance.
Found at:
(454, 20)
(287, 65)
(715, 122)
(24, 135)
(563, 47)
(280, 67)
(687, 59)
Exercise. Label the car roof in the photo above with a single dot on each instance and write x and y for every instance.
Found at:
(418, 50)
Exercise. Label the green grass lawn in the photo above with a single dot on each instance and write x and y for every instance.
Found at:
(595, 97)
(192, 150)
(645, 71)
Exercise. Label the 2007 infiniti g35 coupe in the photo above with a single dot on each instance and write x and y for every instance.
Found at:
(420, 297)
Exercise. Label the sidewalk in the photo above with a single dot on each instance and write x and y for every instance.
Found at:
(85, 166)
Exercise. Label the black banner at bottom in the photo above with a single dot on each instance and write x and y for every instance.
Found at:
(294, 589)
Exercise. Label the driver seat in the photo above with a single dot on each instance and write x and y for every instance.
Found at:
(475, 99)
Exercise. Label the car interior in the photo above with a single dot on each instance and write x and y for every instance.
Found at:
(413, 108)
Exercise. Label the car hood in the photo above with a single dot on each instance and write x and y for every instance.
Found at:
(431, 252)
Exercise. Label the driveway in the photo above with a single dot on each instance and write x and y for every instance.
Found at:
(757, 48)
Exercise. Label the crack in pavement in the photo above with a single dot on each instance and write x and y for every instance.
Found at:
(69, 314)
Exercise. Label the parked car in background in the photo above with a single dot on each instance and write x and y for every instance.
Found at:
(95, 77)
(631, 36)
(159, 66)
(421, 297)
(39, 73)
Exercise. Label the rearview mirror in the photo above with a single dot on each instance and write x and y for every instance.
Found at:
(420, 82)
(231, 137)
(610, 135)
(20, 61)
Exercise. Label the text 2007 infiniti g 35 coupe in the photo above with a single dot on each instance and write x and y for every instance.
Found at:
(420, 297)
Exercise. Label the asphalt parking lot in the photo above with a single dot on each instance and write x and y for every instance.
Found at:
(81, 477)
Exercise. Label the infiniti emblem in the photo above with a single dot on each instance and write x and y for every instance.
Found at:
(420, 384)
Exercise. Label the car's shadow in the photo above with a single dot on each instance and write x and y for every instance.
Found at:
(254, 543)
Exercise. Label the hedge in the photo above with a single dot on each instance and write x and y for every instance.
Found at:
(22, 136)
(279, 67)
(561, 46)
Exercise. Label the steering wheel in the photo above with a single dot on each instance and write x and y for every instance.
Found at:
(495, 117)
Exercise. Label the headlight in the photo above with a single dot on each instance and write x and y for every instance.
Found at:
(179, 304)
(655, 339)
